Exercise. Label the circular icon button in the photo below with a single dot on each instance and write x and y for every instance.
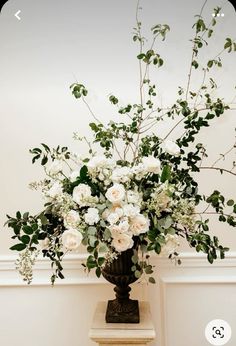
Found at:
(218, 332)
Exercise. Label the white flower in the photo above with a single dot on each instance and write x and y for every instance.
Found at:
(44, 244)
(139, 171)
(131, 210)
(81, 193)
(151, 164)
(133, 197)
(171, 148)
(171, 245)
(71, 219)
(71, 239)
(74, 175)
(55, 167)
(92, 216)
(112, 218)
(122, 242)
(121, 174)
(124, 225)
(139, 224)
(116, 193)
(99, 161)
(55, 190)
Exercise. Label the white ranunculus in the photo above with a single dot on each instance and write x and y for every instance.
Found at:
(81, 193)
(55, 190)
(116, 193)
(71, 219)
(171, 245)
(133, 197)
(131, 210)
(151, 164)
(139, 224)
(74, 175)
(171, 148)
(92, 216)
(122, 242)
(121, 174)
(55, 167)
(113, 218)
(71, 239)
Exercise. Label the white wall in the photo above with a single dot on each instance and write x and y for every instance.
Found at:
(55, 43)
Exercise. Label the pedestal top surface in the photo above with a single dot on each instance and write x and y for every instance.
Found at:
(100, 330)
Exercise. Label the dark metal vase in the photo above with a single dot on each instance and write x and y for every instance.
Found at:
(122, 309)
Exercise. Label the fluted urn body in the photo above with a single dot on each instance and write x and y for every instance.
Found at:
(122, 309)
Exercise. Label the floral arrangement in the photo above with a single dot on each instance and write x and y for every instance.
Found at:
(141, 186)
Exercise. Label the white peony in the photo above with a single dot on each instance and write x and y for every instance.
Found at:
(171, 148)
(92, 216)
(116, 193)
(121, 174)
(131, 210)
(122, 242)
(139, 224)
(71, 219)
(74, 175)
(151, 164)
(81, 193)
(171, 245)
(55, 167)
(71, 239)
(55, 190)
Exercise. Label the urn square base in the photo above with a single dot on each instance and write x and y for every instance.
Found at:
(125, 312)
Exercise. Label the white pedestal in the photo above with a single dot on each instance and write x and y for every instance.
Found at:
(118, 334)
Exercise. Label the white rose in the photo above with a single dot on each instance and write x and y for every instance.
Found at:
(133, 197)
(55, 190)
(99, 161)
(121, 174)
(92, 216)
(122, 242)
(131, 210)
(74, 175)
(81, 193)
(171, 245)
(116, 193)
(171, 148)
(139, 224)
(71, 239)
(139, 171)
(151, 164)
(113, 218)
(71, 219)
(55, 167)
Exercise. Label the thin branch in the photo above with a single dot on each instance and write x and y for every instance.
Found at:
(218, 169)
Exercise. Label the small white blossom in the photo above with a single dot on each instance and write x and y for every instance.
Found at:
(92, 216)
(133, 197)
(131, 210)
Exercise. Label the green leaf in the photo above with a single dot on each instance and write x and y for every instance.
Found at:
(166, 173)
(210, 63)
(18, 247)
(137, 274)
(25, 239)
(27, 229)
(230, 202)
(152, 280)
